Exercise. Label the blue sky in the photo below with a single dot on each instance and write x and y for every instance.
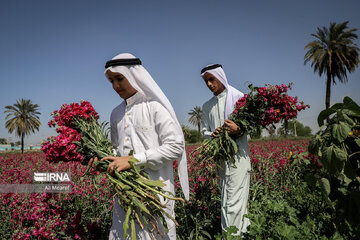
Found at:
(54, 52)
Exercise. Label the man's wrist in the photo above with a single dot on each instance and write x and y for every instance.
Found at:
(238, 131)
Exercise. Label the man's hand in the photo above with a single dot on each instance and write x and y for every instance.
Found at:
(118, 163)
(91, 162)
(231, 127)
(216, 132)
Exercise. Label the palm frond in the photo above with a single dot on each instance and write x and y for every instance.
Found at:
(22, 117)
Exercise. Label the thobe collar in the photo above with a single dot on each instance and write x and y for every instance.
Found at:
(221, 95)
(133, 99)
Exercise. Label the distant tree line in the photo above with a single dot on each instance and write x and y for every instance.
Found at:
(4, 141)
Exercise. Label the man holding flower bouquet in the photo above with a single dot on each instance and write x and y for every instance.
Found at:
(234, 179)
(145, 124)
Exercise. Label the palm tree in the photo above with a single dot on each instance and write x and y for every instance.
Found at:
(195, 119)
(333, 53)
(22, 117)
(186, 131)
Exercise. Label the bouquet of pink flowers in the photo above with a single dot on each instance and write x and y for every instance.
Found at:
(63, 146)
(263, 106)
(80, 137)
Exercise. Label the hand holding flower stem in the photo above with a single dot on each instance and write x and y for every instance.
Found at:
(115, 163)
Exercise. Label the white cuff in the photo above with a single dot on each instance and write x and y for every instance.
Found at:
(141, 157)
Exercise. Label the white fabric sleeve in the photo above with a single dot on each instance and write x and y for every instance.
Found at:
(204, 124)
(171, 140)
(113, 131)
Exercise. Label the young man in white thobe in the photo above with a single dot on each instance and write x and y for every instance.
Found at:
(144, 122)
(234, 182)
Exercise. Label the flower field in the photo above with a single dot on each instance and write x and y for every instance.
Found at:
(281, 203)
(84, 213)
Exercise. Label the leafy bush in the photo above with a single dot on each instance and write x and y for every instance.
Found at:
(338, 146)
(278, 208)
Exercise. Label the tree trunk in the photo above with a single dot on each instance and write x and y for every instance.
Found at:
(295, 127)
(199, 133)
(328, 90)
(22, 143)
(286, 127)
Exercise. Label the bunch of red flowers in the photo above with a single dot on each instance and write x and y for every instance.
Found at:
(64, 116)
(62, 147)
(261, 107)
(265, 106)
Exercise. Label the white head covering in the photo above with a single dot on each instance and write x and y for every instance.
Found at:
(232, 93)
(142, 81)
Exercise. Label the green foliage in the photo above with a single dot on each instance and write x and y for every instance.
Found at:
(229, 234)
(256, 134)
(279, 210)
(3, 141)
(199, 218)
(251, 114)
(297, 127)
(338, 146)
(333, 53)
(218, 149)
(186, 131)
(195, 119)
(136, 192)
(23, 118)
(283, 204)
(271, 130)
(193, 137)
(94, 139)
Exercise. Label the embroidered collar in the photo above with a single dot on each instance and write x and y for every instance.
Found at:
(134, 98)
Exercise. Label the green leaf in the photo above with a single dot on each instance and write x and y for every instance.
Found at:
(347, 119)
(133, 230)
(333, 159)
(315, 145)
(324, 114)
(351, 105)
(340, 131)
(258, 221)
(152, 183)
(357, 142)
(325, 186)
(126, 222)
(310, 179)
(349, 171)
(336, 236)
(351, 205)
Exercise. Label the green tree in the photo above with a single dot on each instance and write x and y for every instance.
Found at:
(333, 53)
(194, 136)
(271, 130)
(256, 134)
(195, 119)
(23, 118)
(295, 126)
(3, 141)
(186, 131)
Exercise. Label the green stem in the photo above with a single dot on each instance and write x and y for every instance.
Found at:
(353, 154)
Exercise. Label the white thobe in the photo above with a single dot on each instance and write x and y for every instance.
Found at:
(148, 129)
(234, 182)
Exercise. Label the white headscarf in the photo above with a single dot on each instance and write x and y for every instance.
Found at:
(232, 93)
(142, 81)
